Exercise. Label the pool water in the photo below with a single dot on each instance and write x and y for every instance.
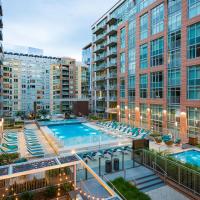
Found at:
(191, 157)
(79, 134)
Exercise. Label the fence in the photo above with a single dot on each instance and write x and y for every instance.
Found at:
(183, 176)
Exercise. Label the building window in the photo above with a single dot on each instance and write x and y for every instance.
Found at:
(174, 52)
(122, 88)
(157, 80)
(122, 62)
(193, 8)
(144, 56)
(193, 117)
(174, 77)
(157, 52)
(131, 47)
(143, 116)
(144, 27)
(194, 41)
(157, 19)
(122, 110)
(144, 86)
(174, 15)
(173, 119)
(131, 88)
(145, 3)
(156, 118)
(123, 38)
(193, 82)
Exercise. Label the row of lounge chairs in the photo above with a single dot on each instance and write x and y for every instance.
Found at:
(9, 142)
(124, 129)
(33, 145)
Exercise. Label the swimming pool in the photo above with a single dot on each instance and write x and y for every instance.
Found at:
(79, 135)
(191, 157)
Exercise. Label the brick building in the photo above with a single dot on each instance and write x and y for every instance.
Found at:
(146, 65)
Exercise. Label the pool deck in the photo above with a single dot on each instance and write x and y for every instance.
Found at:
(47, 148)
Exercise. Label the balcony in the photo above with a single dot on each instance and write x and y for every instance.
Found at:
(113, 98)
(99, 49)
(112, 42)
(100, 98)
(112, 30)
(100, 38)
(100, 58)
(112, 87)
(112, 75)
(100, 78)
(100, 109)
(99, 29)
(112, 53)
(99, 88)
(112, 20)
(99, 67)
(112, 64)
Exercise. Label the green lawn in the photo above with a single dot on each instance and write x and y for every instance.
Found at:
(129, 191)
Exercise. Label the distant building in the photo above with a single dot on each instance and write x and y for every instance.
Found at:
(23, 49)
(26, 80)
(87, 60)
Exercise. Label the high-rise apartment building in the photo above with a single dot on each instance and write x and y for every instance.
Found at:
(87, 60)
(63, 85)
(146, 65)
(1, 58)
(26, 80)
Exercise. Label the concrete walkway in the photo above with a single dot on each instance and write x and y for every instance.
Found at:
(166, 193)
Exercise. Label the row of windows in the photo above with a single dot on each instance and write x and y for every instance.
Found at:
(157, 22)
(157, 53)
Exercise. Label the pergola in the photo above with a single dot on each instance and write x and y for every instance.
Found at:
(34, 167)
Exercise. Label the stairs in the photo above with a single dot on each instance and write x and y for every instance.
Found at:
(148, 182)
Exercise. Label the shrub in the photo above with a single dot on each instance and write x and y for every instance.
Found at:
(128, 190)
(67, 187)
(6, 159)
(50, 192)
(26, 196)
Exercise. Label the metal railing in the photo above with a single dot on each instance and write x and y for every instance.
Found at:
(164, 173)
(178, 173)
(113, 187)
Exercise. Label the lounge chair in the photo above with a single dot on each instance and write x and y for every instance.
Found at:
(177, 142)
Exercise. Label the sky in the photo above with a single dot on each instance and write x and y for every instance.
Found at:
(59, 27)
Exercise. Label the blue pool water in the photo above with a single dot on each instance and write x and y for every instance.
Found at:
(79, 134)
(191, 157)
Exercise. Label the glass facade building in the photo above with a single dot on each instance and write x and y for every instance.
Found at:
(156, 65)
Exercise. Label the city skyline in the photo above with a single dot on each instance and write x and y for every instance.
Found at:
(21, 18)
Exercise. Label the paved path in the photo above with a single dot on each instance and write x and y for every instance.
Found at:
(166, 193)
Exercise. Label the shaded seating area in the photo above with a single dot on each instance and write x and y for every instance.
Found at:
(32, 143)
(9, 142)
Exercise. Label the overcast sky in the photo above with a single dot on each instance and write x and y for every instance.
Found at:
(59, 27)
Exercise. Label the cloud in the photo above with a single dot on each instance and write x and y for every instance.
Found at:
(59, 27)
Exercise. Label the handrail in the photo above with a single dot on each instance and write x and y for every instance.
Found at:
(164, 172)
(114, 188)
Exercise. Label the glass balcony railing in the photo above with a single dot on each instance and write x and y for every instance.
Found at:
(112, 64)
(112, 75)
(112, 53)
(112, 30)
(99, 48)
(112, 42)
